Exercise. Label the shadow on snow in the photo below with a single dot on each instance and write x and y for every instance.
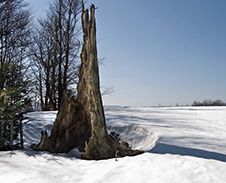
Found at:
(162, 148)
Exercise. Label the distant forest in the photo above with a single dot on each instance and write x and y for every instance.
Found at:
(209, 103)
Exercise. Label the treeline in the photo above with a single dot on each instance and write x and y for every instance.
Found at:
(209, 103)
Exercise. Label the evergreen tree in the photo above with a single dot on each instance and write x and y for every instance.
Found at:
(15, 100)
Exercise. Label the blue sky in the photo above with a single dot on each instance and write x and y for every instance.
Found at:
(160, 51)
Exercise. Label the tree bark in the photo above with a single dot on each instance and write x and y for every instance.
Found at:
(21, 134)
(81, 123)
(11, 134)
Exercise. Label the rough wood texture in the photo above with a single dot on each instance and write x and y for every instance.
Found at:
(81, 123)
(71, 129)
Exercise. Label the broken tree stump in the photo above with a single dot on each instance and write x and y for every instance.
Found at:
(81, 123)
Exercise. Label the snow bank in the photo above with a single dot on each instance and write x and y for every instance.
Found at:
(137, 137)
(37, 121)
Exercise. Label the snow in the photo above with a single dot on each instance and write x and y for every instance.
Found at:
(192, 148)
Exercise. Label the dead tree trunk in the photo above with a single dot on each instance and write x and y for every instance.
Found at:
(81, 123)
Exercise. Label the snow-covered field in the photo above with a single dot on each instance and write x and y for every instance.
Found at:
(192, 148)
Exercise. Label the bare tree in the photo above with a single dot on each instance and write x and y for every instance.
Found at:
(43, 68)
(57, 54)
(107, 90)
(15, 29)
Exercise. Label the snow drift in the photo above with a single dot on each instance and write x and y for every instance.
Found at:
(137, 137)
